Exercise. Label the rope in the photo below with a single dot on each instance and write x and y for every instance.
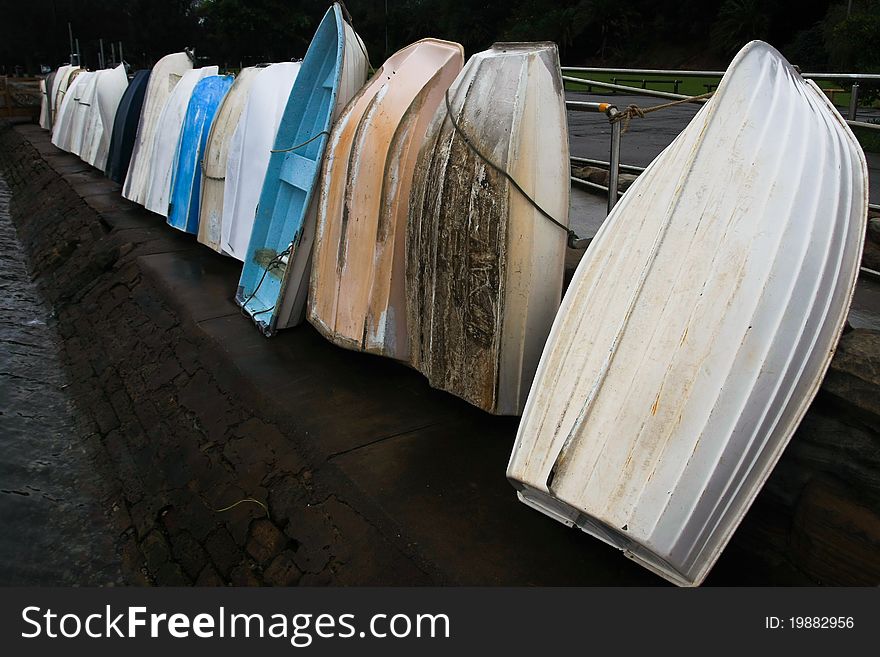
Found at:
(307, 141)
(634, 111)
(572, 236)
(247, 499)
(274, 262)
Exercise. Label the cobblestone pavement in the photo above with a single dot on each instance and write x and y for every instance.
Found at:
(176, 450)
(50, 504)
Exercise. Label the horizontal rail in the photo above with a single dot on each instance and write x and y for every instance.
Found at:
(709, 74)
(629, 168)
(584, 106)
(863, 124)
(591, 185)
(873, 273)
(638, 91)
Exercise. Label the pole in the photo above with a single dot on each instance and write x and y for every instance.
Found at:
(854, 101)
(614, 159)
(101, 45)
(121, 58)
(70, 34)
(113, 53)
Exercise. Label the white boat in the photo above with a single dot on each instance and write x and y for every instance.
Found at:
(83, 95)
(357, 295)
(217, 154)
(61, 130)
(110, 86)
(167, 134)
(59, 86)
(699, 324)
(45, 120)
(249, 152)
(484, 266)
(165, 75)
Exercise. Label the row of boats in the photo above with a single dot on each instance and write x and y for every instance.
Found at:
(422, 215)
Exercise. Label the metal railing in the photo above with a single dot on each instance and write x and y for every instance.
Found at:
(709, 74)
(614, 165)
(610, 111)
(854, 89)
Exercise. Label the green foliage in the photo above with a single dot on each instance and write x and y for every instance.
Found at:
(852, 41)
(657, 33)
(740, 21)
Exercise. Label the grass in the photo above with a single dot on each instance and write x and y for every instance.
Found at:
(869, 139)
(690, 86)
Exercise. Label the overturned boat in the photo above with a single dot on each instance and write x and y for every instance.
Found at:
(166, 138)
(109, 89)
(63, 77)
(83, 97)
(62, 128)
(183, 210)
(216, 155)
(125, 126)
(165, 76)
(484, 261)
(699, 324)
(274, 279)
(249, 151)
(357, 295)
(45, 111)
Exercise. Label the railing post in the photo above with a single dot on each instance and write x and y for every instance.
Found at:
(854, 101)
(614, 159)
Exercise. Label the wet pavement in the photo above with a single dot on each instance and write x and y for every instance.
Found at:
(50, 501)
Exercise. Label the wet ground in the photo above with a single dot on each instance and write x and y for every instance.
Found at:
(49, 502)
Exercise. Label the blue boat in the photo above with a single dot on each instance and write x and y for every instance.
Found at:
(274, 280)
(186, 176)
(125, 126)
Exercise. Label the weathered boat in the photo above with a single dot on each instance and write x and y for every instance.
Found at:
(166, 138)
(125, 126)
(249, 152)
(699, 324)
(110, 87)
(357, 294)
(45, 117)
(217, 154)
(61, 131)
(183, 211)
(59, 87)
(88, 122)
(484, 264)
(47, 106)
(83, 95)
(165, 76)
(274, 279)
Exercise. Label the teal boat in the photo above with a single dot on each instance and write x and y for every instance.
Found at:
(186, 176)
(275, 277)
